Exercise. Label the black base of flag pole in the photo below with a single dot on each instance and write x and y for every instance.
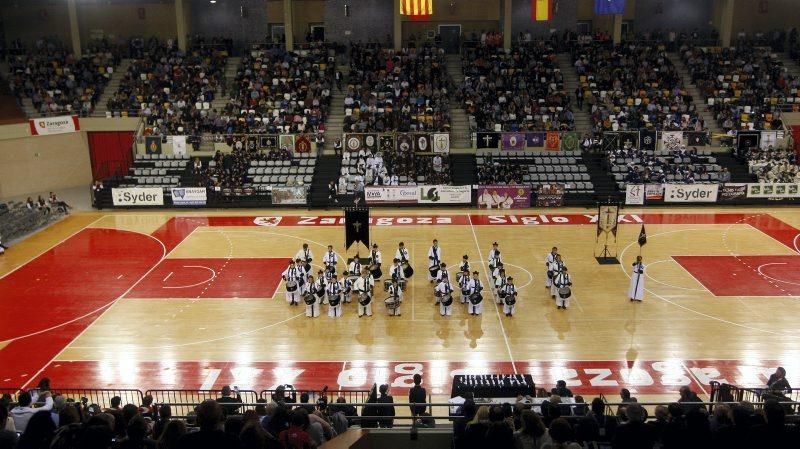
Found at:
(605, 258)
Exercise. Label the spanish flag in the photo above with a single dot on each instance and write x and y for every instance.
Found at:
(541, 10)
(416, 7)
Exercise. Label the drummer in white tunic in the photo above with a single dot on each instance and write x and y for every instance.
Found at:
(334, 291)
(563, 283)
(444, 296)
(465, 284)
(551, 258)
(475, 287)
(292, 277)
(636, 290)
(310, 298)
(509, 297)
(556, 267)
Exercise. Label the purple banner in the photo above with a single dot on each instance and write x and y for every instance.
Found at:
(513, 141)
(535, 139)
(504, 197)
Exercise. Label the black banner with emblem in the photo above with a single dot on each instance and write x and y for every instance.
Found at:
(628, 139)
(302, 143)
(405, 143)
(269, 142)
(696, 139)
(152, 144)
(387, 142)
(252, 143)
(488, 140)
(356, 222)
(611, 142)
(648, 140)
(422, 143)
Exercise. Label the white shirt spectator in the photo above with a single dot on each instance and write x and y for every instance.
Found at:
(22, 415)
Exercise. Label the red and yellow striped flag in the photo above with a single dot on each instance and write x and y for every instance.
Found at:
(541, 10)
(416, 7)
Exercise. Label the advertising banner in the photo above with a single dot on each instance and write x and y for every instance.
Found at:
(189, 196)
(730, 192)
(504, 197)
(54, 125)
(634, 194)
(775, 190)
(444, 194)
(390, 194)
(550, 195)
(654, 192)
(138, 196)
(690, 193)
(289, 195)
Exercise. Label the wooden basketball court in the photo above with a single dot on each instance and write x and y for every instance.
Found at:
(193, 300)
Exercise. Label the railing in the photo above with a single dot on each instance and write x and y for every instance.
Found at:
(732, 393)
(184, 401)
(99, 396)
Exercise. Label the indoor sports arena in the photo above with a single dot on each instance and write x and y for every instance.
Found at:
(467, 224)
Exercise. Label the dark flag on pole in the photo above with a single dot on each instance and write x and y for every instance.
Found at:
(356, 222)
(642, 237)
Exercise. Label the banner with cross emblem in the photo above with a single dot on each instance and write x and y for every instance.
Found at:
(422, 143)
(353, 142)
(441, 143)
(356, 222)
(387, 142)
(628, 139)
(286, 141)
(488, 140)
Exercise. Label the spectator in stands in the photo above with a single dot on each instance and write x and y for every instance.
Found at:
(136, 438)
(164, 418)
(209, 417)
(625, 398)
(597, 426)
(30, 204)
(500, 433)
(385, 411)
(171, 434)
(688, 397)
(562, 390)
(296, 437)
(38, 432)
(347, 409)
(532, 433)
(417, 395)
(229, 402)
(24, 411)
(635, 433)
(8, 436)
(43, 206)
(467, 413)
(562, 436)
(777, 380)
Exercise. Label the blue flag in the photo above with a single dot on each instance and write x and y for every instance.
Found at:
(609, 7)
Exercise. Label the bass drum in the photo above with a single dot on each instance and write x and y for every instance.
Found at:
(476, 298)
(364, 299)
(309, 298)
(564, 292)
(407, 270)
(375, 271)
(447, 299)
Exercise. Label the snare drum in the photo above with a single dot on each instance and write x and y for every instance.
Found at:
(291, 286)
(564, 292)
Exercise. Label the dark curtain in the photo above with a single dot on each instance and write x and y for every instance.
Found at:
(111, 153)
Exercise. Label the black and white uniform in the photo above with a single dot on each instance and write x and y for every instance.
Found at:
(402, 254)
(312, 310)
(494, 258)
(335, 290)
(475, 287)
(444, 288)
(320, 285)
(292, 276)
(499, 285)
(330, 259)
(511, 291)
(304, 255)
(442, 275)
(563, 280)
(395, 292)
(361, 285)
(434, 259)
(354, 268)
(464, 265)
(465, 284)
(549, 260)
(636, 289)
(396, 272)
(375, 258)
(555, 267)
(347, 289)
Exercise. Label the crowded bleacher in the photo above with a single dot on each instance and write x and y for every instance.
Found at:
(171, 89)
(633, 86)
(280, 92)
(56, 81)
(520, 89)
(404, 90)
(743, 86)
(773, 164)
(391, 168)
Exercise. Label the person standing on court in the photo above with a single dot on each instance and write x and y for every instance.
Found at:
(417, 395)
(494, 256)
(636, 289)
(475, 287)
(334, 291)
(563, 284)
(509, 297)
(330, 259)
(548, 261)
(444, 296)
(310, 297)
(291, 276)
(305, 256)
(434, 259)
(555, 268)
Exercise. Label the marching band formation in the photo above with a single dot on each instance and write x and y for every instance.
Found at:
(357, 282)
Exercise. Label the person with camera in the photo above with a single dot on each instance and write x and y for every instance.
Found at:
(229, 402)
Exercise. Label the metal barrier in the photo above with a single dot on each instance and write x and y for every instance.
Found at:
(350, 396)
(722, 392)
(184, 401)
(99, 396)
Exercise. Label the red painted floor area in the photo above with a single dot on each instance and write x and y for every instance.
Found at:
(212, 278)
(71, 283)
(745, 275)
(583, 377)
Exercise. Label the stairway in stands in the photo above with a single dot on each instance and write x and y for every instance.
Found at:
(791, 65)
(112, 87)
(464, 168)
(583, 121)
(604, 184)
(459, 120)
(327, 170)
(697, 98)
(222, 95)
(335, 121)
(738, 169)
